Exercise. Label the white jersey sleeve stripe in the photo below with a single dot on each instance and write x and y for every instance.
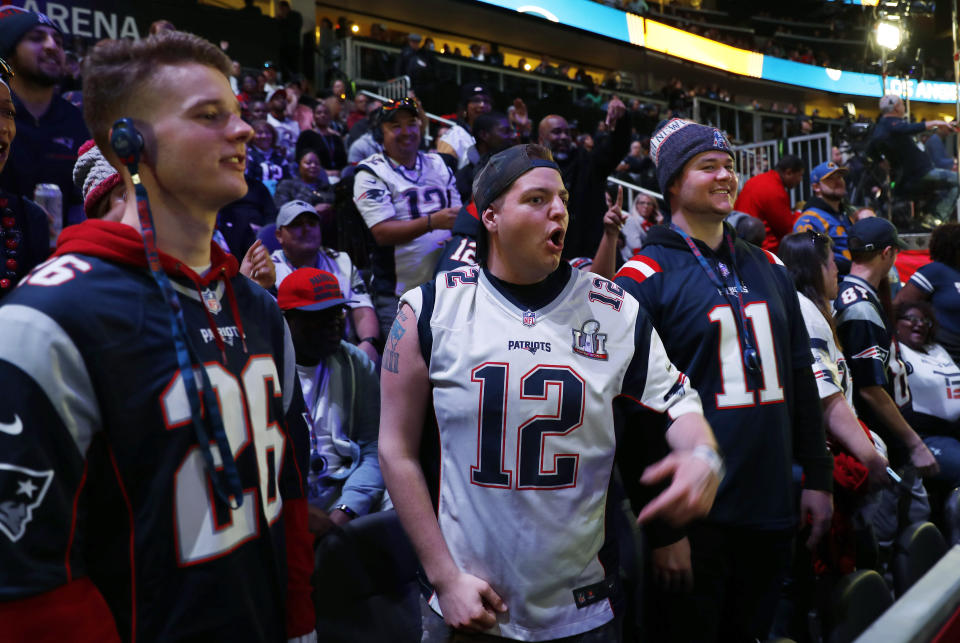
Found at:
(37, 345)
(921, 282)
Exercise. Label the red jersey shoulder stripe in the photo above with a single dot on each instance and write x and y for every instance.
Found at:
(772, 258)
(639, 268)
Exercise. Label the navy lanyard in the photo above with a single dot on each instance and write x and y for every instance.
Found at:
(226, 483)
(750, 358)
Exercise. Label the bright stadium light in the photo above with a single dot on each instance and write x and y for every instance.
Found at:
(888, 34)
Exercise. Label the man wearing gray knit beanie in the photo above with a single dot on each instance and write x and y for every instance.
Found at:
(729, 317)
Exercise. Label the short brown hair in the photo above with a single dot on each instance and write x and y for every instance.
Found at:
(115, 71)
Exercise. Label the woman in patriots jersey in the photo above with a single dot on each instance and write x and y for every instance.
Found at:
(729, 317)
(152, 442)
(939, 283)
(934, 380)
(522, 360)
(810, 260)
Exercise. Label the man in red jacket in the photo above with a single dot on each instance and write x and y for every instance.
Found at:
(767, 197)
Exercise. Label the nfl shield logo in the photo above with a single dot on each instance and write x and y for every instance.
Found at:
(211, 302)
(529, 318)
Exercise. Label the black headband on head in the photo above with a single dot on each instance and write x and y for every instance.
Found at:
(501, 171)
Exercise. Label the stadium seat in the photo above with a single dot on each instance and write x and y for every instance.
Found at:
(918, 548)
(365, 586)
(858, 599)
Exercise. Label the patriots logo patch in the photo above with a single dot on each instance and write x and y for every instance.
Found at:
(64, 141)
(719, 141)
(21, 491)
(373, 194)
(874, 352)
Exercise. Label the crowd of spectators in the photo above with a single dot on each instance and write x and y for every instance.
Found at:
(349, 196)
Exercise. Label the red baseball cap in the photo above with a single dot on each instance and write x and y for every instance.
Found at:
(310, 289)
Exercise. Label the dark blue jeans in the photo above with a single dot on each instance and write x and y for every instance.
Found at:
(737, 576)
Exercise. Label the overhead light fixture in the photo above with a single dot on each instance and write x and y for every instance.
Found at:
(527, 66)
(888, 33)
(355, 28)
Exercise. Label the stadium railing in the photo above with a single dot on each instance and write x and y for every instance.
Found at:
(747, 124)
(504, 78)
(929, 611)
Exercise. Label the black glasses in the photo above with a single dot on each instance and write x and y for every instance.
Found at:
(917, 320)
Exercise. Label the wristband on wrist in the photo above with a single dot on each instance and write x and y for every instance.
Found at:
(347, 510)
(429, 223)
(374, 341)
(709, 455)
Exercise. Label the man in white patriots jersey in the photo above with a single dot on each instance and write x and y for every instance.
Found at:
(409, 200)
(523, 361)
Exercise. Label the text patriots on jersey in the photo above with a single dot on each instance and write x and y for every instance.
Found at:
(732, 290)
(589, 342)
(533, 347)
(227, 334)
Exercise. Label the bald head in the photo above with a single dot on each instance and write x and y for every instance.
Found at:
(554, 134)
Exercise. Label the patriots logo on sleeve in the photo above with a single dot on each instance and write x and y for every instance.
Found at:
(21, 491)
(373, 194)
(874, 352)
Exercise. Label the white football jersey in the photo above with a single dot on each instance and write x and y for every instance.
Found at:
(383, 191)
(934, 381)
(523, 402)
(829, 365)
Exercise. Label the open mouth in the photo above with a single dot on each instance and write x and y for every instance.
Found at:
(556, 239)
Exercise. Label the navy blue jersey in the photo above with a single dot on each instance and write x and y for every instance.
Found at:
(751, 413)
(101, 476)
(46, 151)
(871, 350)
(461, 249)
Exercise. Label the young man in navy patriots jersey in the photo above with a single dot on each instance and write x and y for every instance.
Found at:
(152, 443)
(521, 359)
(730, 319)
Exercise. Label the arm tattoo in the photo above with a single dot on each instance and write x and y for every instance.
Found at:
(391, 358)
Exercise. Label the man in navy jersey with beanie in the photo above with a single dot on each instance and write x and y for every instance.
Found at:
(729, 318)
